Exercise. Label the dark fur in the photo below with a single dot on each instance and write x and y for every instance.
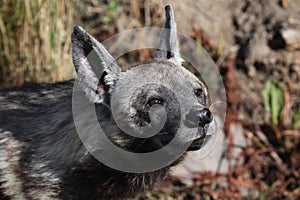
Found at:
(80, 176)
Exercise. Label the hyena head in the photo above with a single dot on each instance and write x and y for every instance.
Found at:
(151, 103)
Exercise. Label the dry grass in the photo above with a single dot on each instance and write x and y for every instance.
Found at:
(35, 35)
(34, 41)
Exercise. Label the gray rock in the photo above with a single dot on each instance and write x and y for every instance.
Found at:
(214, 160)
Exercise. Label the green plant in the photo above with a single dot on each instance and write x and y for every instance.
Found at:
(274, 100)
(112, 6)
(296, 119)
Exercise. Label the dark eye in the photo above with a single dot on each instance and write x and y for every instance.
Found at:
(154, 101)
(198, 92)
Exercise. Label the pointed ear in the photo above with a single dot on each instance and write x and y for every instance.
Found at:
(168, 47)
(96, 69)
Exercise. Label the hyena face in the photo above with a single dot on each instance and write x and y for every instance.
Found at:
(150, 103)
(166, 99)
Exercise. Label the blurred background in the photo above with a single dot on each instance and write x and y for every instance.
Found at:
(256, 46)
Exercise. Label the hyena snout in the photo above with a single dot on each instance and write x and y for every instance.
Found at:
(198, 117)
(204, 121)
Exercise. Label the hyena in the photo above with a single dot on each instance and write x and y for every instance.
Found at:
(41, 154)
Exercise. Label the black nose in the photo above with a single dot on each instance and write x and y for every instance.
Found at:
(205, 117)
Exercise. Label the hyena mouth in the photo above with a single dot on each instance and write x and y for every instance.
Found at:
(203, 132)
(202, 140)
(198, 143)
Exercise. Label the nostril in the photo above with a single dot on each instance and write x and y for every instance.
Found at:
(205, 116)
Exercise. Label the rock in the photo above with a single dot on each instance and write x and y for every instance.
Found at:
(291, 37)
(213, 161)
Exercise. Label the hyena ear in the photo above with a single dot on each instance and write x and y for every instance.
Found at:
(168, 46)
(96, 69)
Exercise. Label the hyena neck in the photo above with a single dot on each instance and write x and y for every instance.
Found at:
(97, 181)
(85, 177)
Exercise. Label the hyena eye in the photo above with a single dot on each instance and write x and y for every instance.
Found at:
(198, 92)
(154, 101)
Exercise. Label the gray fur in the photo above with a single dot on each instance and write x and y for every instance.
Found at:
(41, 154)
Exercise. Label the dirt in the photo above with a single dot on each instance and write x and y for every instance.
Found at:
(263, 54)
